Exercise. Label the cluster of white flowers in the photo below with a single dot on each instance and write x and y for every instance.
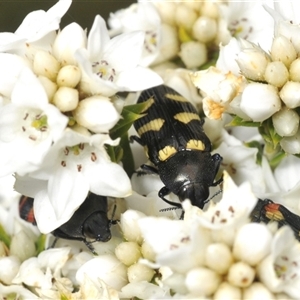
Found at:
(59, 103)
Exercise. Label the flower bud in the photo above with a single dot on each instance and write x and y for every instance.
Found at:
(257, 291)
(283, 50)
(260, 101)
(129, 226)
(291, 144)
(227, 291)
(9, 267)
(193, 54)
(246, 248)
(175, 282)
(205, 29)
(241, 275)
(105, 267)
(166, 11)
(49, 86)
(22, 246)
(218, 257)
(276, 73)
(286, 122)
(290, 94)
(66, 99)
(128, 253)
(45, 64)
(148, 252)
(185, 16)
(210, 9)
(295, 70)
(253, 63)
(96, 113)
(68, 76)
(202, 281)
(139, 272)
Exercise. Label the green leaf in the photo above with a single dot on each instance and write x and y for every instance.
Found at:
(40, 244)
(237, 121)
(268, 132)
(260, 147)
(4, 237)
(129, 114)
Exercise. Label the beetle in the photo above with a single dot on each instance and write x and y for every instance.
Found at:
(89, 222)
(266, 210)
(171, 132)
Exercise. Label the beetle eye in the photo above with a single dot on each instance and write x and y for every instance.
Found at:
(196, 192)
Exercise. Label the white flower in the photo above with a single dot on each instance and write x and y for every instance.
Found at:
(140, 16)
(260, 101)
(17, 290)
(112, 65)
(286, 18)
(219, 90)
(76, 165)
(225, 217)
(40, 271)
(28, 126)
(280, 271)
(241, 19)
(37, 30)
(242, 166)
(67, 41)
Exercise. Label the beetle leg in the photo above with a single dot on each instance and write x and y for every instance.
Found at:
(135, 138)
(164, 191)
(90, 246)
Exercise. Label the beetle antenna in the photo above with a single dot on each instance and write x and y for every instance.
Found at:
(169, 208)
(213, 196)
(112, 221)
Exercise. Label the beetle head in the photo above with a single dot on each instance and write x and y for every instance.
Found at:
(196, 192)
(97, 227)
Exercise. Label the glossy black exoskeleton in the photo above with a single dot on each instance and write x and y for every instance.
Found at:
(89, 222)
(171, 132)
(266, 211)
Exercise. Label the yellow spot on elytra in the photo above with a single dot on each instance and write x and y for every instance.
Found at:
(154, 125)
(148, 103)
(195, 144)
(186, 117)
(166, 152)
(175, 97)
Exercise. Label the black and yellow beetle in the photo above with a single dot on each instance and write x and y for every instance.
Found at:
(171, 132)
(267, 211)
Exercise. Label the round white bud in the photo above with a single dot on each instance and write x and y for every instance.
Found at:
(193, 54)
(291, 144)
(290, 94)
(241, 275)
(246, 249)
(210, 9)
(253, 63)
(9, 267)
(96, 113)
(139, 272)
(283, 50)
(68, 76)
(276, 73)
(202, 281)
(148, 252)
(128, 253)
(218, 257)
(49, 86)
(45, 64)
(227, 291)
(295, 70)
(22, 246)
(286, 122)
(205, 29)
(257, 291)
(185, 16)
(66, 99)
